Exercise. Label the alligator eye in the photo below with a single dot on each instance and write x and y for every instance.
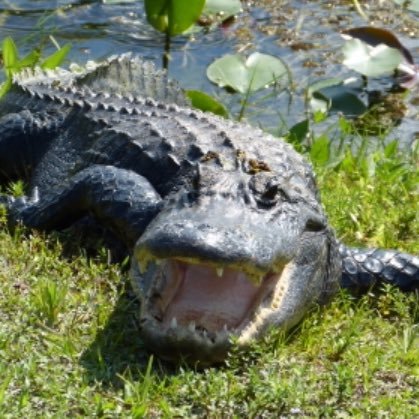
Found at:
(271, 192)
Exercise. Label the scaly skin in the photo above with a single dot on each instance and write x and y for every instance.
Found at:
(227, 232)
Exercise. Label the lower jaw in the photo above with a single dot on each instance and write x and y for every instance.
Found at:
(182, 346)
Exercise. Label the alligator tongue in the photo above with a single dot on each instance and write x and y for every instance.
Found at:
(207, 300)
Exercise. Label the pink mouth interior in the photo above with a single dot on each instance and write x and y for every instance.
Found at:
(194, 293)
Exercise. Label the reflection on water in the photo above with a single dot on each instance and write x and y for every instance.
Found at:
(305, 34)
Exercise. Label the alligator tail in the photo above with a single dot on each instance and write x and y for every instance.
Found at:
(364, 269)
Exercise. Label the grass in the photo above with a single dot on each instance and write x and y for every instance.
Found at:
(69, 343)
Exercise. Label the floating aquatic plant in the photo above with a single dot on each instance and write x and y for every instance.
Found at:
(375, 52)
(247, 75)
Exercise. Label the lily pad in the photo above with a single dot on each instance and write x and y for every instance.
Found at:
(376, 36)
(226, 8)
(246, 75)
(412, 5)
(336, 96)
(371, 61)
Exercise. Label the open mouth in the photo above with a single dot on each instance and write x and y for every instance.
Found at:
(196, 307)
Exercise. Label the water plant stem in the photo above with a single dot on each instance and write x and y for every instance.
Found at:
(360, 10)
(166, 54)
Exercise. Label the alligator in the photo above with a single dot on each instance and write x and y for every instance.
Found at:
(224, 223)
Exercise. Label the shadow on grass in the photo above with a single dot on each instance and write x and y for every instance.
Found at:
(117, 347)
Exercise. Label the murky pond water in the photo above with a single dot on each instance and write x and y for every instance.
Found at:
(305, 34)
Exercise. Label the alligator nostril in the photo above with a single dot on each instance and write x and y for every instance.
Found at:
(314, 225)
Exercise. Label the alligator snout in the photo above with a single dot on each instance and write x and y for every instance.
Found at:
(208, 243)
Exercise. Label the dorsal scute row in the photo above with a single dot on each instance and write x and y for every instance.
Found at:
(129, 86)
(87, 99)
(128, 75)
(124, 78)
(30, 78)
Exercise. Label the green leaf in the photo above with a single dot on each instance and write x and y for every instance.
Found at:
(10, 55)
(258, 71)
(4, 385)
(173, 16)
(55, 59)
(30, 59)
(391, 148)
(367, 166)
(319, 116)
(299, 131)
(5, 87)
(348, 163)
(345, 125)
(206, 103)
(157, 14)
(371, 61)
(320, 151)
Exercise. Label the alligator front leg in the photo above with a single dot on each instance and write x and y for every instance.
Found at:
(24, 137)
(363, 269)
(121, 200)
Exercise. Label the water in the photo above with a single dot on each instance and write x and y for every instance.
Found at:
(305, 34)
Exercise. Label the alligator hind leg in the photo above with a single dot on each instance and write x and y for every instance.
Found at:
(120, 200)
(363, 269)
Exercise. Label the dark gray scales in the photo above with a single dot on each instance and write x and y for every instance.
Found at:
(224, 222)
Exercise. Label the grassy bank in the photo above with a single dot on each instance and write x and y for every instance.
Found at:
(69, 345)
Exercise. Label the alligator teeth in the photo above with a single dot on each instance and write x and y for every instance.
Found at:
(220, 272)
(35, 195)
(225, 328)
(142, 267)
(173, 323)
(191, 327)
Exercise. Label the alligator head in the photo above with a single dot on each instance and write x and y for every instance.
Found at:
(228, 258)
